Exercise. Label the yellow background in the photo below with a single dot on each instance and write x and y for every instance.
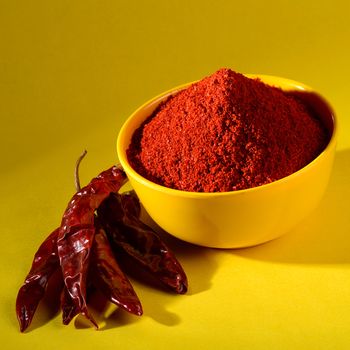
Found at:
(70, 74)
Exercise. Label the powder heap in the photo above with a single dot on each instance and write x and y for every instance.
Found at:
(226, 132)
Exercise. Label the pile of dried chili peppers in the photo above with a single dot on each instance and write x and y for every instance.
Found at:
(98, 225)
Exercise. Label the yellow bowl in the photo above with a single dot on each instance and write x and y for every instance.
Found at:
(239, 218)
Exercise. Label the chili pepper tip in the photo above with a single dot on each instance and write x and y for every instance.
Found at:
(90, 318)
(135, 309)
(23, 323)
(182, 288)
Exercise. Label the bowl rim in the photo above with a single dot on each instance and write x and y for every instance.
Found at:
(288, 85)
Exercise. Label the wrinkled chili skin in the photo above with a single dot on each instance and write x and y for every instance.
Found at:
(141, 243)
(69, 309)
(77, 232)
(109, 278)
(80, 251)
(131, 202)
(45, 263)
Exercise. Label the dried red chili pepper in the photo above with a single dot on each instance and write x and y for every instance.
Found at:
(45, 263)
(77, 232)
(69, 309)
(109, 278)
(141, 243)
(80, 249)
(132, 202)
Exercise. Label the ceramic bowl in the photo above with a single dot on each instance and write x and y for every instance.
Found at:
(239, 218)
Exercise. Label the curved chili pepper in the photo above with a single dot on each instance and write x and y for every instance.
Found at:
(77, 232)
(109, 278)
(141, 243)
(45, 263)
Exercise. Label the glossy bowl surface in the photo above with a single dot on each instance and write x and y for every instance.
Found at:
(239, 218)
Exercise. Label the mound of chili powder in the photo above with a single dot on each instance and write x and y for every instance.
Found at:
(226, 132)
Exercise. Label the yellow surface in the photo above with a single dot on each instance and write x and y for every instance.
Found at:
(70, 74)
(224, 220)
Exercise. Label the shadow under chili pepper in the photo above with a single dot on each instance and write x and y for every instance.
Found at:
(155, 307)
(323, 237)
(107, 315)
(119, 318)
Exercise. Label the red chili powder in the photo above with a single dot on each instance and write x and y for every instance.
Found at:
(226, 132)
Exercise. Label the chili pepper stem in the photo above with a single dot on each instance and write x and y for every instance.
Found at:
(76, 173)
(77, 233)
